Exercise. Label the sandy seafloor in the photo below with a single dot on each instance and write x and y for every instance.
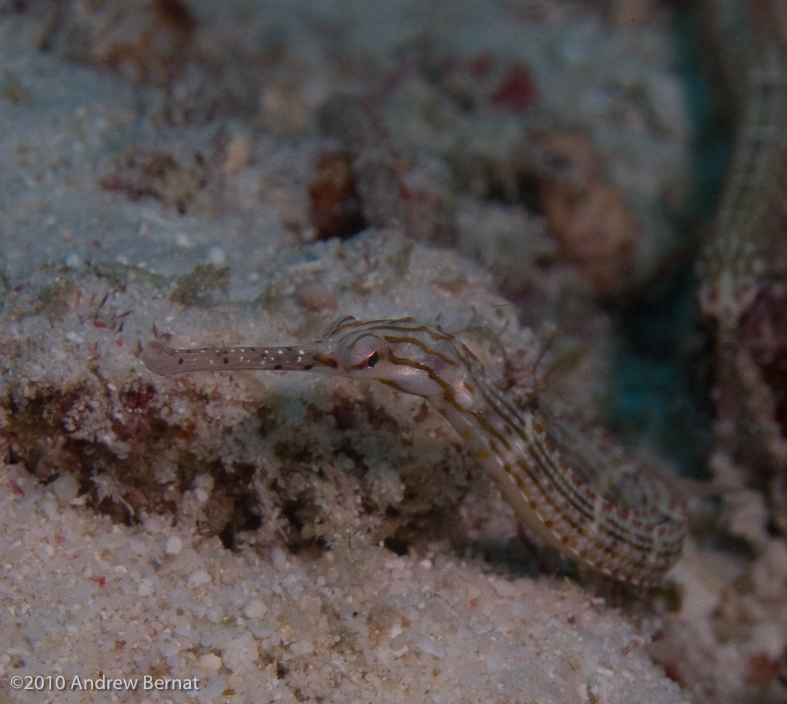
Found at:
(291, 538)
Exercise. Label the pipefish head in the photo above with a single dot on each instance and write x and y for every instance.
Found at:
(402, 354)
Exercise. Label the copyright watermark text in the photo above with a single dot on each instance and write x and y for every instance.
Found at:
(101, 683)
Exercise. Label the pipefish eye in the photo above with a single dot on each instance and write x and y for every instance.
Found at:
(362, 353)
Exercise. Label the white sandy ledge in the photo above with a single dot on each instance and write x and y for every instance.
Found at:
(82, 596)
(358, 625)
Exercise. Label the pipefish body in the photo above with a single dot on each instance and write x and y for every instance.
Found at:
(576, 489)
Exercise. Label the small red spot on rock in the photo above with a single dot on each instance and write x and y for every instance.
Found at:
(516, 91)
(187, 432)
(136, 397)
(762, 670)
(479, 66)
